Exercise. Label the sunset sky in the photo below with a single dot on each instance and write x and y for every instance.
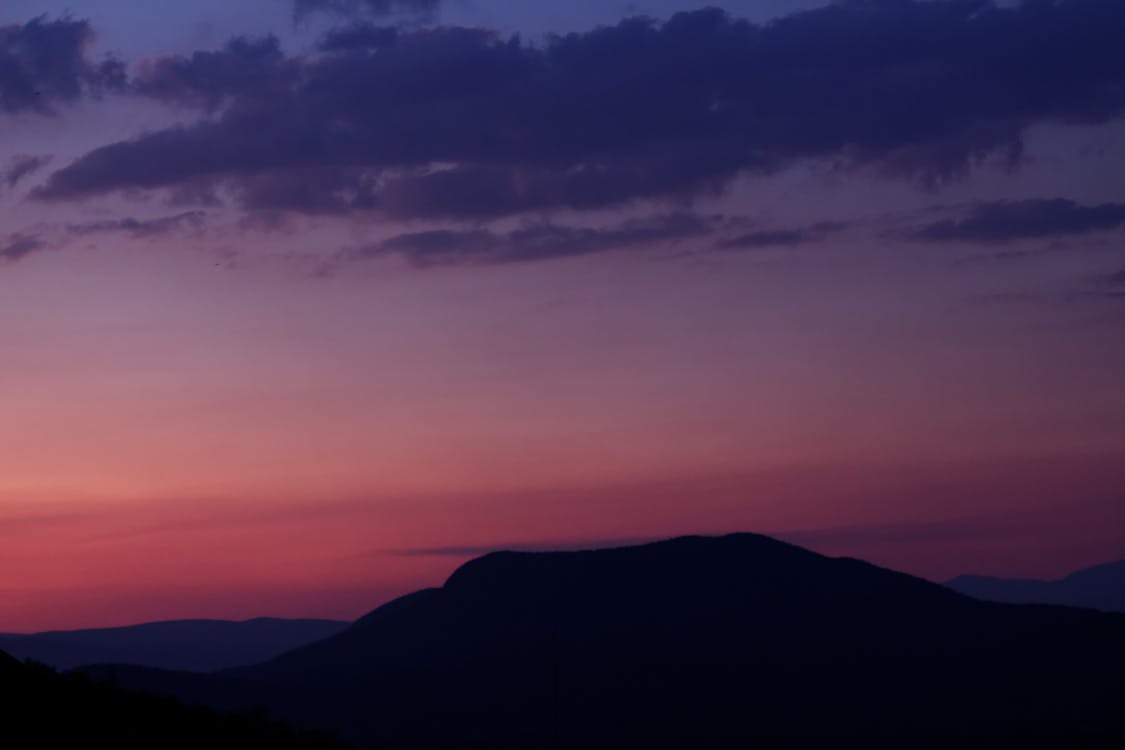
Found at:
(305, 302)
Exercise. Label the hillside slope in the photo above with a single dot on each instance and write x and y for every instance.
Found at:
(42, 709)
(730, 641)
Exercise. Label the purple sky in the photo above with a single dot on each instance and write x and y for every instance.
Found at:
(289, 288)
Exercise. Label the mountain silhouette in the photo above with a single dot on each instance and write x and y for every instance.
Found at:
(733, 641)
(189, 645)
(1100, 587)
(42, 709)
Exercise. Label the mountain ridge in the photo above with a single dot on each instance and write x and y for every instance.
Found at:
(697, 641)
(1100, 587)
(199, 645)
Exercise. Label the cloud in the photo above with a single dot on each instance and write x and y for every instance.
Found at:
(375, 8)
(537, 242)
(465, 123)
(43, 63)
(1005, 221)
(782, 237)
(769, 238)
(902, 533)
(1110, 286)
(243, 68)
(358, 36)
(20, 166)
(141, 227)
(17, 246)
(840, 536)
(559, 545)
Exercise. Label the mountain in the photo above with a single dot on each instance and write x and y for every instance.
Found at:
(1100, 587)
(733, 641)
(190, 645)
(42, 709)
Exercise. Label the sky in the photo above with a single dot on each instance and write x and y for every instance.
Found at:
(305, 302)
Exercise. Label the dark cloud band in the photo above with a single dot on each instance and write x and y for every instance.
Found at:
(43, 63)
(464, 123)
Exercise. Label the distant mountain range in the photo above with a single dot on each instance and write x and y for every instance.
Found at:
(1100, 587)
(188, 645)
(735, 641)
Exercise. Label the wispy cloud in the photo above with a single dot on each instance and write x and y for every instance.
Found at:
(18, 246)
(537, 242)
(902, 533)
(859, 535)
(1006, 221)
(764, 238)
(20, 166)
(556, 545)
(141, 227)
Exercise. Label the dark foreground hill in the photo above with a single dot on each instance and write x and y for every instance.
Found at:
(189, 645)
(1100, 587)
(42, 709)
(739, 641)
